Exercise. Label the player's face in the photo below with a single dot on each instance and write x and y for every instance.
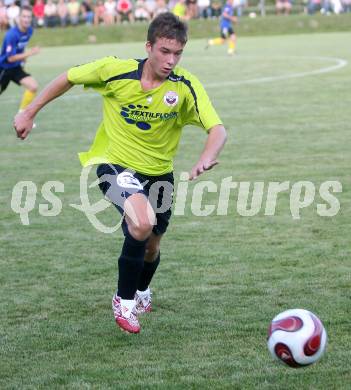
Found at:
(25, 20)
(164, 55)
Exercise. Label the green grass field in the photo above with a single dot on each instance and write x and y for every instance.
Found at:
(222, 278)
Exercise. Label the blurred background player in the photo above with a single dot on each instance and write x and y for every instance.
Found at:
(13, 55)
(226, 27)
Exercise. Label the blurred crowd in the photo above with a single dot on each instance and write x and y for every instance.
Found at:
(52, 13)
(313, 6)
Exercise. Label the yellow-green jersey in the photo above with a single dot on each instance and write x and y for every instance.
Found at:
(141, 129)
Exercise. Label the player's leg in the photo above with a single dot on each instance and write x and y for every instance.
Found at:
(160, 194)
(31, 88)
(4, 80)
(125, 191)
(215, 41)
(151, 262)
(231, 43)
(218, 41)
(139, 218)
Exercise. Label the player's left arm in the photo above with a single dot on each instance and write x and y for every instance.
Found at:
(202, 113)
(229, 16)
(217, 137)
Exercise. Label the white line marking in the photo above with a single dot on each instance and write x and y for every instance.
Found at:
(340, 63)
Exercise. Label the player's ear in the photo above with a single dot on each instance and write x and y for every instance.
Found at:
(148, 46)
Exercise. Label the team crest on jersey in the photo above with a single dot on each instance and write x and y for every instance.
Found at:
(8, 49)
(171, 99)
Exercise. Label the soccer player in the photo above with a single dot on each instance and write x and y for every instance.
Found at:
(13, 55)
(226, 27)
(146, 104)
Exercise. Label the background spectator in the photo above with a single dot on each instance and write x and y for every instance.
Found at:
(39, 13)
(336, 6)
(87, 9)
(13, 12)
(151, 6)
(162, 7)
(171, 4)
(283, 7)
(99, 12)
(125, 10)
(191, 9)
(50, 12)
(3, 16)
(110, 12)
(204, 8)
(216, 8)
(62, 12)
(141, 13)
(73, 12)
(313, 6)
(180, 9)
(346, 5)
(239, 6)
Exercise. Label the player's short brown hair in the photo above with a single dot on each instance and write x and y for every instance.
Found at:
(167, 25)
(26, 8)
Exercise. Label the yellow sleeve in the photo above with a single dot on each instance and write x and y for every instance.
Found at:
(200, 111)
(93, 73)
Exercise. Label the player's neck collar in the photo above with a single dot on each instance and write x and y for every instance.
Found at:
(141, 67)
(20, 30)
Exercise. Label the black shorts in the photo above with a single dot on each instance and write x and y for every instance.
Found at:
(226, 32)
(14, 74)
(118, 183)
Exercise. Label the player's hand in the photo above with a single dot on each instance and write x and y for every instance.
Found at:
(201, 167)
(23, 124)
(34, 50)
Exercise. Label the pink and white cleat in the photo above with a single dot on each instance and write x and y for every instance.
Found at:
(143, 301)
(125, 314)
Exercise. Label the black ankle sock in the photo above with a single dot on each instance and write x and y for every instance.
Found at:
(130, 266)
(147, 273)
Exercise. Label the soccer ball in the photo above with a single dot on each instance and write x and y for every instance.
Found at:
(297, 338)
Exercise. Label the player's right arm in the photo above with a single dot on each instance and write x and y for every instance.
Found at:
(23, 122)
(10, 44)
(23, 56)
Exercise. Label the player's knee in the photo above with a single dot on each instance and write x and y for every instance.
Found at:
(140, 230)
(34, 87)
(31, 85)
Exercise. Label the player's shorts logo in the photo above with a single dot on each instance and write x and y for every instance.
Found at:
(171, 99)
(127, 180)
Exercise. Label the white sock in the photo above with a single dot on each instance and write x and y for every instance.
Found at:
(145, 293)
